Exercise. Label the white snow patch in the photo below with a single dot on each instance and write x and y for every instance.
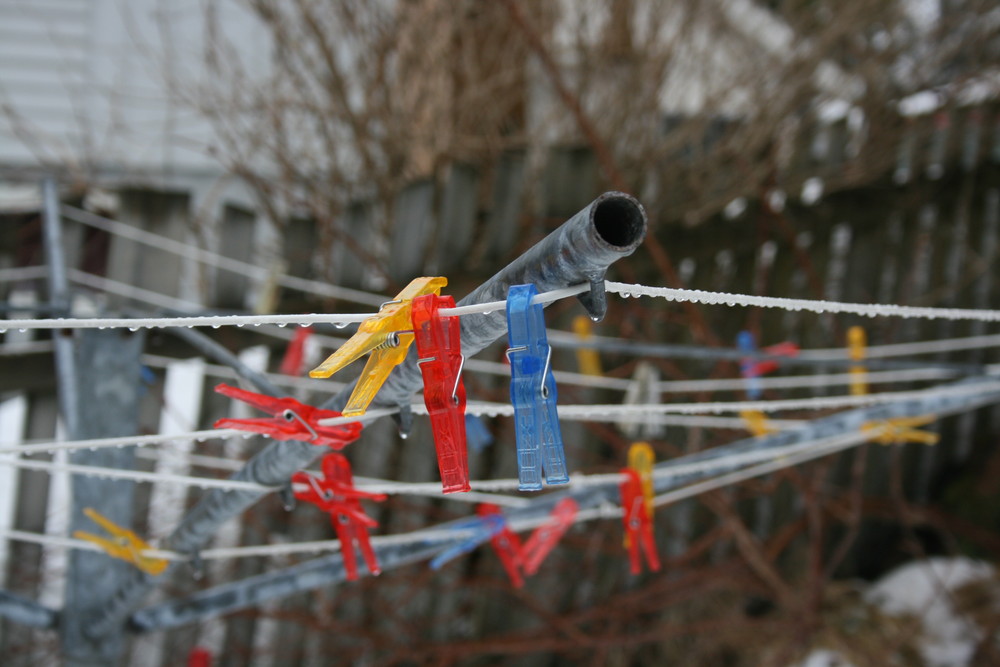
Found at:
(735, 208)
(832, 111)
(812, 190)
(923, 14)
(776, 200)
(919, 104)
(924, 589)
(822, 657)
(881, 40)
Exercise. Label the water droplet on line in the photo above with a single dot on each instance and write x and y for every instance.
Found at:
(340, 325)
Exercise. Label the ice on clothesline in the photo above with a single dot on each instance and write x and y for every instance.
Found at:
(623, 289)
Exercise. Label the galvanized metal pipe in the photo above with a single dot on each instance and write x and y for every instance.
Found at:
(329, 570)
(25, 612)
(579, 251)
(60, 300)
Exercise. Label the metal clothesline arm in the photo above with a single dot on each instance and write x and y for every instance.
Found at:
(579, 251)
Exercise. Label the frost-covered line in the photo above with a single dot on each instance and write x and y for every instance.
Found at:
(815, 306)
(210, 258)
(779, 460)
(214, 321)
(909, 349)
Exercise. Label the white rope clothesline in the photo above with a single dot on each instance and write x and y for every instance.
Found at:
(590, 412)
(811, 305)
(908, 349)
(365, 484)
(598, 412)
(777, 459)
(216, 260)
(624, 289)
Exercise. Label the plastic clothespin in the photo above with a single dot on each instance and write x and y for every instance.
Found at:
(644, 388)
(477, 529)
(546, 536)
(533, 393)
(506, 544)
(199, 657)
(902, 430)
(291, 364)
(123, 544)
(477, 434)
(387, 336)
(586, 357)
(439, 356)
(291, 420)
(638, 523)
(751, 369)
(641, 458)
(857, 343)
(757, 422)
(336, 495)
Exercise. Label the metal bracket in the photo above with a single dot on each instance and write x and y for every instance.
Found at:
(404, 420)
(596, 300)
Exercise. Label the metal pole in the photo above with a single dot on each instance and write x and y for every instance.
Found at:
(579, 251)
(26, 612)
(328, 570)
(59, 298)
(109, 369)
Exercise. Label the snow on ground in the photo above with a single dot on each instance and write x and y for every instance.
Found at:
(924, 590)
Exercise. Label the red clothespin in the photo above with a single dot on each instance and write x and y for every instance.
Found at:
(765, 366)
(638, 526)
(336, 495)
(506, 544)
(291, 420)
(291, 364)
(199, 657)
(546, 536)
(439, 356)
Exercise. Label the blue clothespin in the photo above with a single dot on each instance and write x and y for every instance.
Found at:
(482, 529)
(533, 393)
(747, 345)
(477, 434)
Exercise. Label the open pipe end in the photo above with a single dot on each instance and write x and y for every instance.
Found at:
(619, 220)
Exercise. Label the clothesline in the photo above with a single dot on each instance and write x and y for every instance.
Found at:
(210, 258)
(433, 488)
(626, 290)
(816, 380)
(589, 412)
(774, 460)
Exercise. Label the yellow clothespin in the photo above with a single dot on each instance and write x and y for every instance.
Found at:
(387, 336)
(123, 544)
(586, 357)
(641, 458)
(857, 341)
(903, 429)
(756, 422)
